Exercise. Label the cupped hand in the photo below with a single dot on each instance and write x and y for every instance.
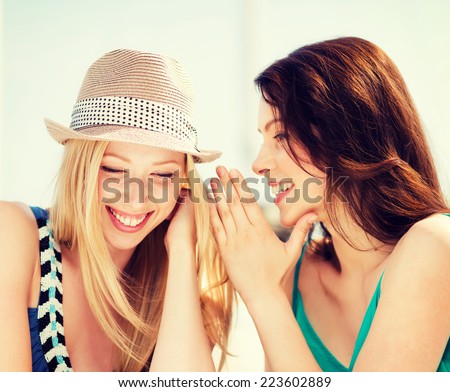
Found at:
(256, 260)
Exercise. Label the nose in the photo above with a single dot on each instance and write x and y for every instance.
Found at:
(134, 191)
(263, 162)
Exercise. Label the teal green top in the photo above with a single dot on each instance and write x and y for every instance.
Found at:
(326, 360)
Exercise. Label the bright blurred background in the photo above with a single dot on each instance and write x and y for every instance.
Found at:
(48, 45)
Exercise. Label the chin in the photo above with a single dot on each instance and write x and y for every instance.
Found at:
(122, 244)
(289, 219)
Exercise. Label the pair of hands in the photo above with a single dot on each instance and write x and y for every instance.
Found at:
(256, 260)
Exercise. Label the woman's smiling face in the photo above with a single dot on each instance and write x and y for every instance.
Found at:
(296, 191)
(137, 190)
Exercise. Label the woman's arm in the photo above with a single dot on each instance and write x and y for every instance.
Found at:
(19, 248)
(283, 342)
(182, 343)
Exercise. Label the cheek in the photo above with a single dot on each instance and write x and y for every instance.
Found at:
(313, 190)
(164, 206)
(109, 189)
(310, 183)
(101, 186)
(163, 192)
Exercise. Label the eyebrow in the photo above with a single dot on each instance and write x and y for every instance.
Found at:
(158, 163)
(269, 123)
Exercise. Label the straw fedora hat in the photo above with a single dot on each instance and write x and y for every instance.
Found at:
(135, 97)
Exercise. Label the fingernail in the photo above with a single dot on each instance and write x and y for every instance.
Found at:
(312, 219)
(220, 170)
(234, 173)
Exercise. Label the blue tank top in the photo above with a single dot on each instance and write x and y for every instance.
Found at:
(48, 348)
(326, 360)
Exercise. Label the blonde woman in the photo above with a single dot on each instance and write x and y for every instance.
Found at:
(126, 243)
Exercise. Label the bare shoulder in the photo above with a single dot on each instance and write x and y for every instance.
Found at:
(15, 215)
(15, 207)
(425, 247)
(411, 326)
(421, 261)
(435, 227)
(19, 237)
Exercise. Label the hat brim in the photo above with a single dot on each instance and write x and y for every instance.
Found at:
(118, 133)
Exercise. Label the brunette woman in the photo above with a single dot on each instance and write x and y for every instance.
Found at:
(363, 283)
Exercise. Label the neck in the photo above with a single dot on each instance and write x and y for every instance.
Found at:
(120, 257)
(369, 255)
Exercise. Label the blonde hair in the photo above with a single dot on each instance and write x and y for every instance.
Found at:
(128, 305)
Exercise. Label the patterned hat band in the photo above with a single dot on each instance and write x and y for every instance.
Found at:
(133, 112)
(135, 97)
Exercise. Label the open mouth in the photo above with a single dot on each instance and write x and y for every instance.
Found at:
(280, 190)
(127, 222)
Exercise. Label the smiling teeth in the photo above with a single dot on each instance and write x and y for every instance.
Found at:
(281, 187)
(131, 222)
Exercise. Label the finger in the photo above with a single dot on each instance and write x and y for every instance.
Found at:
(223, 209)
(247, 198)
(216, 225)
(295, 243)
(230, 185)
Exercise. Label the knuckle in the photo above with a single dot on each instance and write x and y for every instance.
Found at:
(234, 207)
(226, 212)
(249, 234)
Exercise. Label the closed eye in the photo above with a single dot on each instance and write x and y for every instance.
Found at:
(163, 175)
(111, 170)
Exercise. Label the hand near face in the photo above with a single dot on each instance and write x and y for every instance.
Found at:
(256, 260)
(181, 233)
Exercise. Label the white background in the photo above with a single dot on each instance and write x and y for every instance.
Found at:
(48, 45)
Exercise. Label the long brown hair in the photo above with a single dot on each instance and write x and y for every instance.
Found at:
(346, 103)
